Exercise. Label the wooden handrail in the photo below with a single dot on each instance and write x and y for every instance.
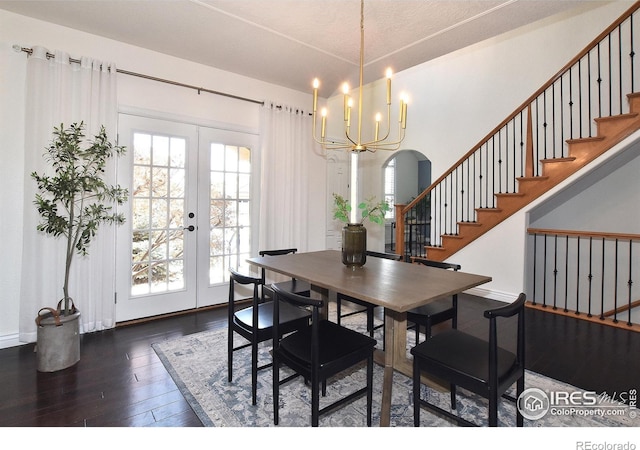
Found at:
(595, 234)
(622, 308)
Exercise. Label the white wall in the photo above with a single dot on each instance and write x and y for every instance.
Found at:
(134, 94)
(456, 100)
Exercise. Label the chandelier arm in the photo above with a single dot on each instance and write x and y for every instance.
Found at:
(386, 136)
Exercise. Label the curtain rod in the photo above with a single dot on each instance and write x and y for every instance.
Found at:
(149, 77)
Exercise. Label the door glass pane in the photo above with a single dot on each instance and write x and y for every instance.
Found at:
(230, 191)
(158, 200)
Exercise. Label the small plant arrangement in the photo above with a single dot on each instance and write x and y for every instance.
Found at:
(371, 210)
(71, 202)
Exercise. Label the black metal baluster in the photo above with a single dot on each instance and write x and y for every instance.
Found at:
(553, 116)
(446, 208)
(615, 285)
(566, 273)
(493, 142)
(610, 77)
(535, 265)
(555, 272)
(522, 148)
(474, 185)
(544, 277)
(468, 191)
(631, 54)
(590, 115)
(537, 158)
(480, 176)
(578, 263)
(630, 282)
(590, 277)
(544, 123)
(599, 83)
(453, 211)
(579, 100)
(602, 283)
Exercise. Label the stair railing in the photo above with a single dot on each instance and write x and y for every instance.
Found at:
(592, 85)
(590, 274)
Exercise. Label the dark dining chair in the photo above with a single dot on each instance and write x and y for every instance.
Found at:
(437, 311)
(255, 323)
(366, 307)
(296, 286)
(318, 352)
(474, 364)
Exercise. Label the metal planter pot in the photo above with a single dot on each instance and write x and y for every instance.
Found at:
(58, 345)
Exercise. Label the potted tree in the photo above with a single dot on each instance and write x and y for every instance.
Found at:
(72, 203)
(354, 235)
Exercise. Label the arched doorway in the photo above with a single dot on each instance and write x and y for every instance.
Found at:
(405, 175)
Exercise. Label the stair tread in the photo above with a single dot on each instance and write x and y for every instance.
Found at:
(563, 159)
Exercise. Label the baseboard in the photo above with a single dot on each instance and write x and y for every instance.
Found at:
(506, 297)
(10, 340)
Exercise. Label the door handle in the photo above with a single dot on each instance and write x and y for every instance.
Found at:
(190, 228)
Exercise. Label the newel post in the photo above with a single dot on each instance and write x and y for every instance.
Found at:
(400, 244)
(528, 165)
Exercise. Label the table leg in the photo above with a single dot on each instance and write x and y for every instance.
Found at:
(321, 293)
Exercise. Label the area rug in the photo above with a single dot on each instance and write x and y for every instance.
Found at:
(198, 365)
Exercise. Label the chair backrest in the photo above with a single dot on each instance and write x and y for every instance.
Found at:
(510, 310)
(284, 251)
(439, 264)
(301, 301)
(236, 277)
(391, 256)
(278, 252)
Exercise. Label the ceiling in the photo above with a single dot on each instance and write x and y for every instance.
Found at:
(290, 42)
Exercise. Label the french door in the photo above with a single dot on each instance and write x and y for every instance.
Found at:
(192, 201)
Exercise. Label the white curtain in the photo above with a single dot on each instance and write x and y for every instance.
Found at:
(59, 91)
(286, 148)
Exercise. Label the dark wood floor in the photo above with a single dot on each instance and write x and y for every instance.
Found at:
(120, 381)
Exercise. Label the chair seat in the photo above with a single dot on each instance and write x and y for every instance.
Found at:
(289, 317)
(467, 355)
(338, 344)
(437, 311)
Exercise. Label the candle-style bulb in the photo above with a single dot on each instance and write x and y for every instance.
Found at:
(389, 73)
(324, 122)
(316, 84)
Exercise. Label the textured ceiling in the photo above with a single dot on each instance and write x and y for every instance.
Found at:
(289, 42)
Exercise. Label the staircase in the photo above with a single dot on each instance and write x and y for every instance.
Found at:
(611, 130)
(569, 122)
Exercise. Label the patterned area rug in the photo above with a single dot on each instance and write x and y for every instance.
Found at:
(198, 365)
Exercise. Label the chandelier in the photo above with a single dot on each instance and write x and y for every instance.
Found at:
(355, 143)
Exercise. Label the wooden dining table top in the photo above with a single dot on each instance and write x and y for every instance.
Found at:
(392, 284)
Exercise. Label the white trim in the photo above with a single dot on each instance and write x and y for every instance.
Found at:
(506, 297)
(10, 340)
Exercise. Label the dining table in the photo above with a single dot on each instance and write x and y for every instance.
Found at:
(394, 285)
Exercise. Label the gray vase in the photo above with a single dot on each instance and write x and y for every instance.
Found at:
(58, 346)
(354, 245)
